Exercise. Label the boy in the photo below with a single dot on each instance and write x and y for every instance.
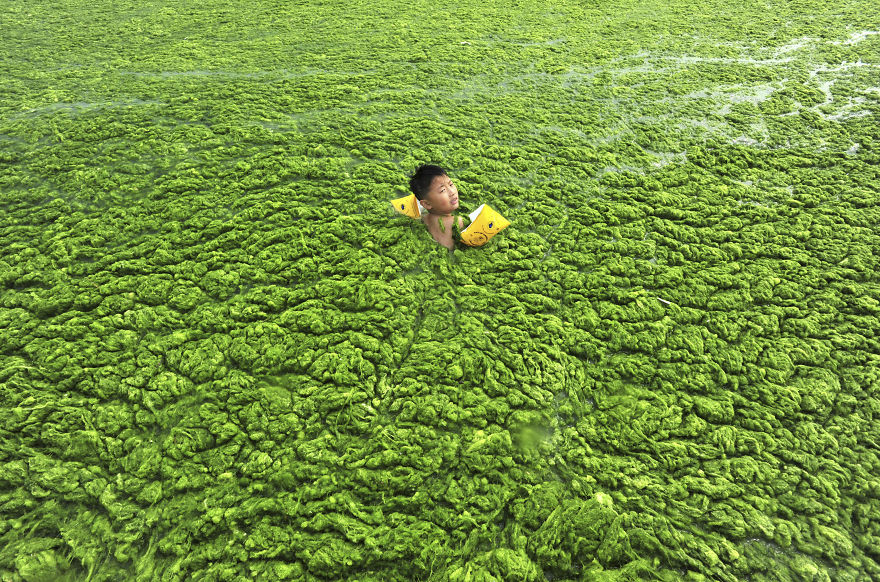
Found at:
(439, 196)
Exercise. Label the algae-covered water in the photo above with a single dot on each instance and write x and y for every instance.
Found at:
(224, 357)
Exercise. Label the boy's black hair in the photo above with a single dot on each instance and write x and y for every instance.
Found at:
(420, 182)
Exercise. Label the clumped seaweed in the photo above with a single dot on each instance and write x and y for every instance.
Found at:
(223, 357)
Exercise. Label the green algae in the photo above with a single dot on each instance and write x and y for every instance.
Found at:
(224, 358)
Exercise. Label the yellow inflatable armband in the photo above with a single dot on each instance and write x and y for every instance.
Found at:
(485, 223)
(408, 205)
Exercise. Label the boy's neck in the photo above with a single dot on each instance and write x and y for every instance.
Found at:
(437, 214)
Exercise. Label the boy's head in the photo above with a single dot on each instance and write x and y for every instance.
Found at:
(434, 189)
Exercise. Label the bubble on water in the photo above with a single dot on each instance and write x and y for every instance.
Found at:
(795, 45)
(856, 37)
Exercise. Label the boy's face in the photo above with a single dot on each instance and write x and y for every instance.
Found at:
(442, 198)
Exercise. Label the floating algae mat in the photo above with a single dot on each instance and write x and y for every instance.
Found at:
(224, 357)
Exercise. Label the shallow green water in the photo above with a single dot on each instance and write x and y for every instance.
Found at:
(223, 357)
